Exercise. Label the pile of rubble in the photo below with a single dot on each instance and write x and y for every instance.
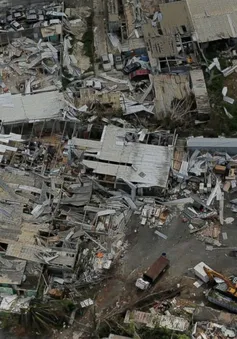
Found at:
(66, 221)
(203, 180)
(28, 66)
(210, 330)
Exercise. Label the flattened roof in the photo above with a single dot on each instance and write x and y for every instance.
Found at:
(133, 161)
(214, 19)
(31, 252)
(11, 271)
(17, 108)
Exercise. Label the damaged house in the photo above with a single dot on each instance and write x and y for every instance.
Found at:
(125, 155)
(168, 35)
(171, 50)
(213, 19)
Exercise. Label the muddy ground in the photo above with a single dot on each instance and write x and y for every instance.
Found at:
(184, 251)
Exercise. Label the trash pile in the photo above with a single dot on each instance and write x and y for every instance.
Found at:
(77, 226)
(28, 66)
(199, 184)
(152, 214)
(210, 330)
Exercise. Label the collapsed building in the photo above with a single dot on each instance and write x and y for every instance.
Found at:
(80, 152)
(125, 155)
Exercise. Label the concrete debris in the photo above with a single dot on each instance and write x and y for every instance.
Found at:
(224, 236)
(14, 304)
(229, 220)
(86, 166)
(229, 100)
(161, 235)
(150, 320)
(198, 283)
(200, 273)
(86, 303)
(229, 70)
(207, 330)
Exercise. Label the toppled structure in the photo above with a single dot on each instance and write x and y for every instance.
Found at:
(151, 320)
(208, 330)
(56, 210)
(30, 66)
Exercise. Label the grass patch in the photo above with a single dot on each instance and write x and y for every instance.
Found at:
(219, 123)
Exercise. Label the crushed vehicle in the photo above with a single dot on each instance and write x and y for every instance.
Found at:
(153, 272)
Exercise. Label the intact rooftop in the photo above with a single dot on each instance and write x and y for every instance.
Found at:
(20, 108)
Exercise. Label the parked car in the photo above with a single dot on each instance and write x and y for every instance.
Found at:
(31, 18)
(34, 15)
(53, 14)
(118, 62)
(51, 22)
(131, 67)
(106, 63)
(18, 15)
(9, 18)
(54, 22)
(16, 26)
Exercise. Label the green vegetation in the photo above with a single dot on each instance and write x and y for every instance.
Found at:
(8, 320)
(42, 317)
(88, 39)
(219, 122)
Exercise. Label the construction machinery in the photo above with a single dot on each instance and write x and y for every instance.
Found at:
(224, 294)
(231, 287)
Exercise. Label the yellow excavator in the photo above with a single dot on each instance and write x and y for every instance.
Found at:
(231, 287)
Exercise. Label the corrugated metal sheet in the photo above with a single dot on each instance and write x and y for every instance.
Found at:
(31, 252)
(214, 19)
(17, 108)
(228, 145)
(151, 163)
